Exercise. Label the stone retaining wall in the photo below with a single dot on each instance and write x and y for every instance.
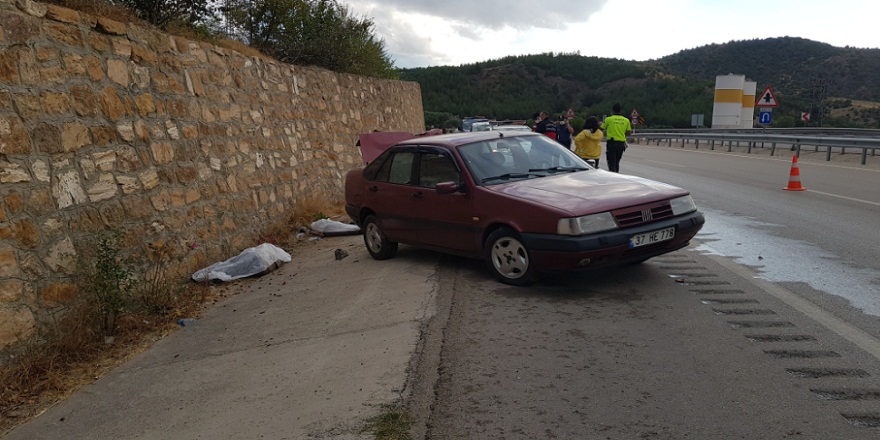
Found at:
(110, 125)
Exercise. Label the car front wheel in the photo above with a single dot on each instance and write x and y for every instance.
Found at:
(377, 244)
(508, 258)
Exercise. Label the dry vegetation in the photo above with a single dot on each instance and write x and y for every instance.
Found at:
(78, 349)
(122, 14)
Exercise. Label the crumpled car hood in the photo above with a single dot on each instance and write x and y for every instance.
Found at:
(587, 192)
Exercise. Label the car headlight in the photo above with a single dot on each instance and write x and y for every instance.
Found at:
(587, 224)
(683, 205)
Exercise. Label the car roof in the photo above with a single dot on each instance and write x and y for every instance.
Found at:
(456, 139)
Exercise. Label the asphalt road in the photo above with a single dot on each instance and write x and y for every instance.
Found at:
(678, 347)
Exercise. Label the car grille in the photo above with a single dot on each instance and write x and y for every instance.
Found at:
(642, 214)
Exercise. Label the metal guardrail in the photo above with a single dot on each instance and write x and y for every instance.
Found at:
(794, 141)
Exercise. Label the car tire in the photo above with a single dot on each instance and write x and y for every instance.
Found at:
(378, 245)
(508, 258)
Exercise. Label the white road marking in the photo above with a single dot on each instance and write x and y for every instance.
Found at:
(852, 199)
(667, 163)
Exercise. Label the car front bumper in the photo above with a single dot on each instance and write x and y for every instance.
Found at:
(550, 252)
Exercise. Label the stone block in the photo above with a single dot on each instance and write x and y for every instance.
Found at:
(111, 27)
(94, 68)
(61, 256)
(112, 106)
(104, 189)
(19, 29)
(10, 291)
(9, 68)
(63, 34)
(27, 105)
(63, 15)
(103, 134)
(52, 73)
(163, 152)
(54, 103)
(84, 100)
(26, 234)
(39, 202)
(13, 136)
(8, 262)
(13, 173)
(15, 324)
(149, 179)
(117, 71)
(68, 190)
(74, 136)
(47, 138)
(74, 64)
(145, 104)
(58, 293)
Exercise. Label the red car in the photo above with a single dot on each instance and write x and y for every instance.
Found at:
(520, 201)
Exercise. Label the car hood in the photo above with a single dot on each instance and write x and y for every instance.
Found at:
(587, 192)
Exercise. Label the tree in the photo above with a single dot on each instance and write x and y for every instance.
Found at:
(310, 32)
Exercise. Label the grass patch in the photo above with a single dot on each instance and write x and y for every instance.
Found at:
(393, 423)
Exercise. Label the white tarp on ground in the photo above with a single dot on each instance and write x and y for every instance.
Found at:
(250, 262)
(332, 227)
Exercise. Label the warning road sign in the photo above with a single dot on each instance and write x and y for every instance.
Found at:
(767, 99)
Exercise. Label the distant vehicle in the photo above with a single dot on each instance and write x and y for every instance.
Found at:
(481, 126)
(467, 123)
(509, 127)
(520, 201)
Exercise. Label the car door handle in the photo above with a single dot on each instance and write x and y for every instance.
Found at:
(373, 188)
(417, 195)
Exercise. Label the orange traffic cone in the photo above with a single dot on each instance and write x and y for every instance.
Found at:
(794, 178)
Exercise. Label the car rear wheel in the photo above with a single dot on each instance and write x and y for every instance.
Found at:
(508, 259)
(377, 244)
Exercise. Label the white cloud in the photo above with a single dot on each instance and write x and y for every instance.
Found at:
(428, 33)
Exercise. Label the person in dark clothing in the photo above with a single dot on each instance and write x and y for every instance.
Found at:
(563, 132)
(541, 122)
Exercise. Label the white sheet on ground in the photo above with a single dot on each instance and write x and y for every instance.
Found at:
(249, 262)
(333, 227)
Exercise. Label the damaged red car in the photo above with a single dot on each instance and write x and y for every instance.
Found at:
(518, 200)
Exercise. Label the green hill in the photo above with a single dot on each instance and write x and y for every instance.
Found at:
(804, 75)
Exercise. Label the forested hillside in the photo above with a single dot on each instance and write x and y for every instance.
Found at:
(805, 75)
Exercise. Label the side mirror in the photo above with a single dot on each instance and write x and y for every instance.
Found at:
(448, 187)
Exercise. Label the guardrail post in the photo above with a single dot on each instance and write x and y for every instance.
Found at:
(712, 144)
(827, 155)
(729, 146)
(750, 147)
(773, 148)
(696, 144)
(865, 155)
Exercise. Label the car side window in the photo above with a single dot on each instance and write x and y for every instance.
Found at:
(435, 168)
(400, 168)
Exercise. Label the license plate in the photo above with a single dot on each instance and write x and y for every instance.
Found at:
(651, 237)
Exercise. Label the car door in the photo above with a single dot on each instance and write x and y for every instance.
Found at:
(445, 220)
(390, 195)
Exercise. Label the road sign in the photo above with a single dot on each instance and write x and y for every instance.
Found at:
(765, 117)
(634, 114)
(697, 120)
(767, 99)
(805, 116)
(569, 113)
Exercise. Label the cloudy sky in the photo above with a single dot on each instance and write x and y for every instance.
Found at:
(421, 33)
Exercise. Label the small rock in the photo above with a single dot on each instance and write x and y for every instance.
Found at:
(340, 254)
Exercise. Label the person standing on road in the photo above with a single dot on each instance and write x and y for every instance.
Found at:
(545, 126)
(588, 143)
(617, 128)
(563, 132)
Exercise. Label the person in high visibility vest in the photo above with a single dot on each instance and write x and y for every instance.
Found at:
(616, 128)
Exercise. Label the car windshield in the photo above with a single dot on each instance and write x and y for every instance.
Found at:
(511, 158)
